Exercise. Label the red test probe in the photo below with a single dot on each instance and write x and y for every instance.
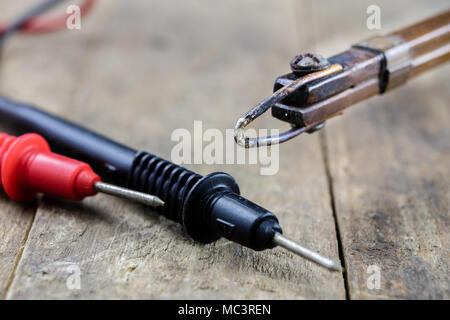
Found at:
(28, 167)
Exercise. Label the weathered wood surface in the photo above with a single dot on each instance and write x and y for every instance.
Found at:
(389, 160)
(391, 189)
(15, 224)
(138, 78)
(137, 72)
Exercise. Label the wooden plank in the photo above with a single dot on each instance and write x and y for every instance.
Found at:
(389, 165)
(29, 74)
(388, 160)
(15, 223)
(157, 67)
(15, 219)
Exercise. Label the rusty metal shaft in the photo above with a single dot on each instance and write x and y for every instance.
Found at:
(368, 68)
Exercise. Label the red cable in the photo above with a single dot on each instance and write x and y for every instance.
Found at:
(41, 24)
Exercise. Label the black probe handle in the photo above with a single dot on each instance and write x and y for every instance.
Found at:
(111, 160)
(208, 207)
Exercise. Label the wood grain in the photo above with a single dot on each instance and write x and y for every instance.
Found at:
(146, 73)
(15, 224)
(389, 167)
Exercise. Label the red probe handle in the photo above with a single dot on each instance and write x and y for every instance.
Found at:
(28, 167)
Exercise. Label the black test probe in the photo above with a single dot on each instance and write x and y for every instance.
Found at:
(208, 207)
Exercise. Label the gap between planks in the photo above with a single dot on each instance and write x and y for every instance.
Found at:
(20, 253)
(326, 163)
(324, 150)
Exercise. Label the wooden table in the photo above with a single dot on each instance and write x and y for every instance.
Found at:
(372, 189)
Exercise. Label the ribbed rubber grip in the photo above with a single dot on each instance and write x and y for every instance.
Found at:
(170, 182)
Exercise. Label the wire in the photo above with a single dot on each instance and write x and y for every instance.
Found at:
(32, 22)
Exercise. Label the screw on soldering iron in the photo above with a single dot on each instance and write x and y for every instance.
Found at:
(303, 64)
(124, 193)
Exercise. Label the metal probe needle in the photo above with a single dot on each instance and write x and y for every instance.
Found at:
(141, 197)
(290, 245)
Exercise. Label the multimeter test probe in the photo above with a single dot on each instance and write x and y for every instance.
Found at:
(28, 167)
(208, 207)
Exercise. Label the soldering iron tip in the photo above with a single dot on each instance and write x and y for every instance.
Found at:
(315, 257)
(141, 197)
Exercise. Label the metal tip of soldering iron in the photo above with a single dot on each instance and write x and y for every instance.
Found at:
(141, 197)
(290, 245)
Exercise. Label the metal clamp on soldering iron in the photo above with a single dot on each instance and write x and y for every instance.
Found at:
(318, 89)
